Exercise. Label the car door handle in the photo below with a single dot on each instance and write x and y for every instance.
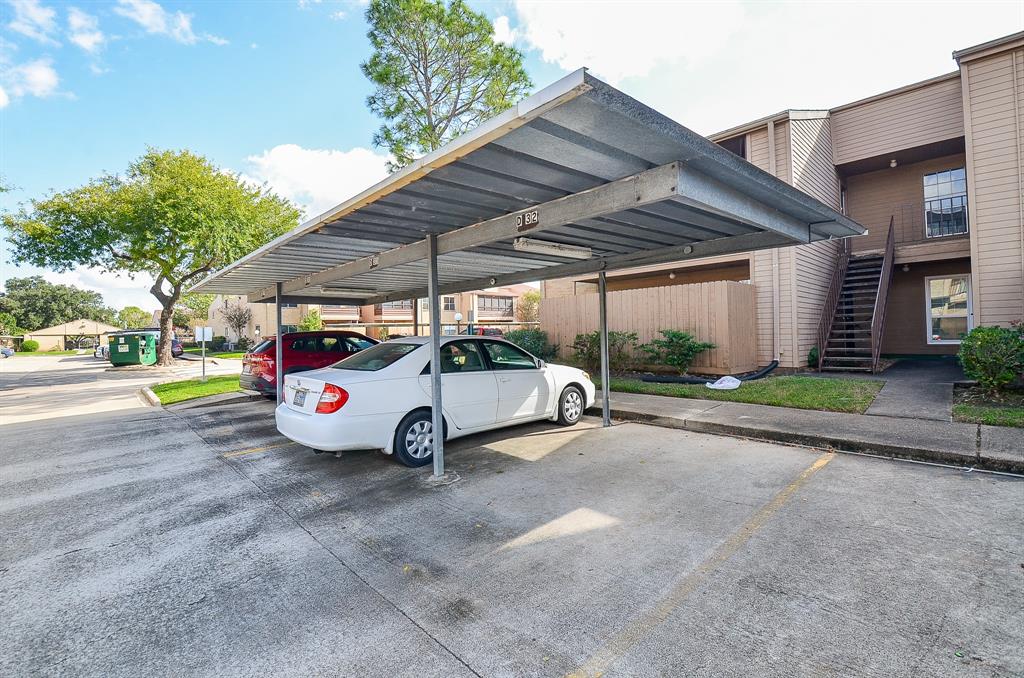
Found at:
(504, 380)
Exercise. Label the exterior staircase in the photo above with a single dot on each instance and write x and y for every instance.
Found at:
(848, 347)
(853, 317)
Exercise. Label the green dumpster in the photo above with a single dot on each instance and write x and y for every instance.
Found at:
(132, 348)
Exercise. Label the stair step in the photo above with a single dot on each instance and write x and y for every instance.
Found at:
(848, 368)
(845, 341)
(846, 352)
(858, 285)
(845, 359)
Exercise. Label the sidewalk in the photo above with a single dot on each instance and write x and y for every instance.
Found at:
(994, 448)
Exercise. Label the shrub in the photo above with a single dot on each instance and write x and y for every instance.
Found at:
(29, 346)
(217, 343)
(586, 350)
(535, 341)
(675, 348)
(244, 344)
(994, 356)
(812, 357)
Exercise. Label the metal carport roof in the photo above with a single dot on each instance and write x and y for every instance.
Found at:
(579, 164)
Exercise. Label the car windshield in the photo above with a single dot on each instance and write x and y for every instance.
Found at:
(376, 357)
(262, 346)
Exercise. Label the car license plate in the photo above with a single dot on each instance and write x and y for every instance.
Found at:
(300, 399)
(246, 369)
(123, 348)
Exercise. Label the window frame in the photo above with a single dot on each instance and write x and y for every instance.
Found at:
(485, 359)
(928, 308)
(967, 217)
(494, 365)
(445, 303)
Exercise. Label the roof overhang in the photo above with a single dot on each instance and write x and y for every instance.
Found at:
(578, 165)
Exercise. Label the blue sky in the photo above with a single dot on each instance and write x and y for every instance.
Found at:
(273, 89)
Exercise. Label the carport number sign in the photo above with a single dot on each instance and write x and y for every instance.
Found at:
(527, 220)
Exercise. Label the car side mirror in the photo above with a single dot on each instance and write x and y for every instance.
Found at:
(540, 364)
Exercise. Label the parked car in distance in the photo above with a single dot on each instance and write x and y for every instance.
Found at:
(6, 352)
(484, 331)
(303, 351)
(380, 398)
(100, 351)
(177, 350)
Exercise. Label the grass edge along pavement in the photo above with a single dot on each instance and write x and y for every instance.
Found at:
(806, 393)
(992, 415)
(189, 389)
(227, 355)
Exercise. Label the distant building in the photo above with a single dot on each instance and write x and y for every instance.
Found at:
(80, 333)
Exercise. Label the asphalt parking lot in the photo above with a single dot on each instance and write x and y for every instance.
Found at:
(200, 542)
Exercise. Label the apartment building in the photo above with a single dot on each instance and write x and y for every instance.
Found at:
(491, 306)
(934, 170)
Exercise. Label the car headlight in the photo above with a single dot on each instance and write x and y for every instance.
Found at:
(586, 375)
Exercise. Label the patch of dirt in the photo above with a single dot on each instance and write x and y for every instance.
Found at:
(974, 395)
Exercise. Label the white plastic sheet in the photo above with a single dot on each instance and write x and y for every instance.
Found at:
(725, 384)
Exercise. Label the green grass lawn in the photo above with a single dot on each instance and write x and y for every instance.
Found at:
(975, 406)
(178, 391)
(232, 355)
(805, 393)
(36, 354)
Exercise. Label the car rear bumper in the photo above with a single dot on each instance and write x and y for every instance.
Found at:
(335, 432)
(252, 382)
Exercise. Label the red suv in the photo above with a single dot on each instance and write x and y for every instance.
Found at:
(302, 351)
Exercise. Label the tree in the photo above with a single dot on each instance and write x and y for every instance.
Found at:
(173, 215)
(528, 309)
(192, 308)
(133, 318)
(311, 322)
(237, 315)
(437, 72)
(9, 324)
(36, 303)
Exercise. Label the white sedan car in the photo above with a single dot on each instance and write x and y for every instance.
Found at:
(379, 398)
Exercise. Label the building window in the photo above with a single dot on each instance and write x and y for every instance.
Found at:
(948, 301)
(735, 145)
(494, 305)
(289, 305)
(424, 304)
(405, 304)
(285, 329)
(449, 303)
(945, 203)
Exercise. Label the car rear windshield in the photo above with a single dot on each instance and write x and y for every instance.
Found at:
(262, 346)
(376, 357)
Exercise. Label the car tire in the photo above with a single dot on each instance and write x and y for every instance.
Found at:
(570, 406)
(409, 439)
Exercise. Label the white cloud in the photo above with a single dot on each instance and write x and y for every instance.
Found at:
(153, 18)
(338, 15)
(36, 78)
(623, 40)
(4, 99)
(713, 66)
(118, 290)
(84, 30)
(316, 179)
(33, 20)
(503, 31)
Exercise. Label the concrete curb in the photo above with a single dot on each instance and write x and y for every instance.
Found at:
(891, 450)
(215, 399)
(148, 397)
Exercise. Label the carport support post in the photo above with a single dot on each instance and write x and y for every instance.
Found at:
(278, 346)
(602, 292)
(437, 418)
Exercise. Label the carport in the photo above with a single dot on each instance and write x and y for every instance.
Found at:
(578, 178)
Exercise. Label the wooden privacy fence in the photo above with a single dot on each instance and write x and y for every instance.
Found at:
(722, 312)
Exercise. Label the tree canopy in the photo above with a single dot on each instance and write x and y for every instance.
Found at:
(134, 318)
(173, 214)
(311, 322)
(437, 73)
(36, 303)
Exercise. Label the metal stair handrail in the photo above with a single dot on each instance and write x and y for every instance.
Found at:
(884, 280)
(831, 303)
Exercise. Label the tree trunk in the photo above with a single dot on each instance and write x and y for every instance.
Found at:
(163, 349)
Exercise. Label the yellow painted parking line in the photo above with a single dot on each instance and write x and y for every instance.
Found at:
(638, 629)
(254, 450)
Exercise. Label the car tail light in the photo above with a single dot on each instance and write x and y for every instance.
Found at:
(332, 399)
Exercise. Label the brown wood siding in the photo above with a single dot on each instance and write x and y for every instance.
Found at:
(762, 273)
(933, 112)
(719, 312)
(906, 318)
(993, 96)
(874, 197)
(736, 271)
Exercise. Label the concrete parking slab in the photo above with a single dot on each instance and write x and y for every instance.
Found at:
(201, 542)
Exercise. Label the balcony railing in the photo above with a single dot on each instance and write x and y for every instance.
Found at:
(909, 228)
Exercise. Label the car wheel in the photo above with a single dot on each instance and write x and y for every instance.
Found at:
(414, 440)
(570, 406)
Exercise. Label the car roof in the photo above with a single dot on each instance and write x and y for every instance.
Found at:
(444, 340)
